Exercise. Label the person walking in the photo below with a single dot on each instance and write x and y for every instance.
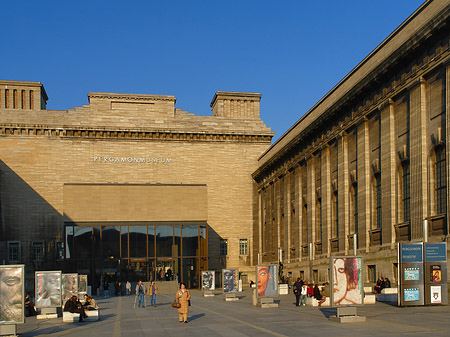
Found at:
(183, 296)
(304, 292)
(106, 288)
(152, 290)
(128, 288)
(140, 292)
(297, 290)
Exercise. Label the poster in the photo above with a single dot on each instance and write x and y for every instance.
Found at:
(230, 280)
(208, 280)
(267, 280)
(70, 286)
(435, 293)
(82, 285)
(411, 294)
(436, 274)
(346, 278)
(411, 274)
(12, 290)
(48, 289)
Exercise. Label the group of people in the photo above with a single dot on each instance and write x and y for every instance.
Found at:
(381, 284)
(141, 292)
(74, 305)
(302, 290)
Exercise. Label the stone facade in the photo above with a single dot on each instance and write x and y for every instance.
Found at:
(368, 160)
(126, 140)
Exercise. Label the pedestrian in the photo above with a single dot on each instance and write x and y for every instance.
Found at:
(318, 296)
(297, 290)
(106, 288)
(128, 288)
(303, 294)
(183, 296)
(140, 292)
(152, 290)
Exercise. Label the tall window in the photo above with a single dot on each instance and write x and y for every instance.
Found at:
(406, 192)
(355, 206)
(223, 247)
(243, 247)
(378, 198)
(14, 251)
(38, 251)
(335, 233)
(441, 185)
(319, 220)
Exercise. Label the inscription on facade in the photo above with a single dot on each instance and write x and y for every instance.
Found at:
(132, 160)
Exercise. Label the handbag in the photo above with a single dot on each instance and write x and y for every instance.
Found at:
(175, 304)
(189, 301)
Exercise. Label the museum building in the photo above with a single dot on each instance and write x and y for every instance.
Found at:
(367, 166)
(128, 185)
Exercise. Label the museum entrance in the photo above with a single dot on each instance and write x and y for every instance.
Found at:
(125, 252)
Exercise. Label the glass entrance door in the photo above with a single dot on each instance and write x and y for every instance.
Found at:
(166, 269)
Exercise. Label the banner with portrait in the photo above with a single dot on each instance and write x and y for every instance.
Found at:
(70, 286)
(208, 280)
(346, 280)
(82, 285)
(47, 289)
(230, 279)
(12, 294)
(267, 280)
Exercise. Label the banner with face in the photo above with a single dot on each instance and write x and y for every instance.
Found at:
(208, 280)
(230, 280)
(346, 280)
(48, 289)
(12, 290)
(266, 280)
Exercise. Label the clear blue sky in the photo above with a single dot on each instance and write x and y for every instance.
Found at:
(292, 52)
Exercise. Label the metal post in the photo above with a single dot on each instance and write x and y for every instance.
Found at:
(310, 261)
(259, 258)
(425, 230)
(355, 241)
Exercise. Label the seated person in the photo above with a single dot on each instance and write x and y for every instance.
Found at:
(73, 305)
(310, 291)
(379, 286)
(89, 303)
(318, 296)
(29, 306)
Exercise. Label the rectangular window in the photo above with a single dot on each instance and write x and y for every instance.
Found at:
(372, 273)
(243, 247)
(14, 251)
(441, 185)
(223, 247)
(378, 199)
(406, 193)
(38, 251)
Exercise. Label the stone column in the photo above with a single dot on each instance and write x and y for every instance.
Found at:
(299, 213)
(418, 159)
(343, 191)
(287, 215)
(311, 201)
(326, 200)
(388, 173)
(364, 209)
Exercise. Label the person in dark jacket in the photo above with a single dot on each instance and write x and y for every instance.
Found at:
(297, 290)
(73, 305)
(318, 296)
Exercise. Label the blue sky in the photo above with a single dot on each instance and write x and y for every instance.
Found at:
(292, 52)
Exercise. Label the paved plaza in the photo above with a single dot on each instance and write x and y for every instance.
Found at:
(212, 316)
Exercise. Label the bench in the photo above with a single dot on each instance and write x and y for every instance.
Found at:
(315, 303)
(93, 315)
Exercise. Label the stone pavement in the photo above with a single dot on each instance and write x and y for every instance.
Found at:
(212, 316)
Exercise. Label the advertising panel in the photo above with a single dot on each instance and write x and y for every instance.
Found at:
(208, 280)
(48, 289)
(436, 288)
(12, 290)
(347, 280)
(82, 285)
(267, 280)
(411, 274)
(70, 286)
(230, 280)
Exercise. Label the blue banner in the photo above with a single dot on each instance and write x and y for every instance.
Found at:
(412, 253)
(435, 251)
